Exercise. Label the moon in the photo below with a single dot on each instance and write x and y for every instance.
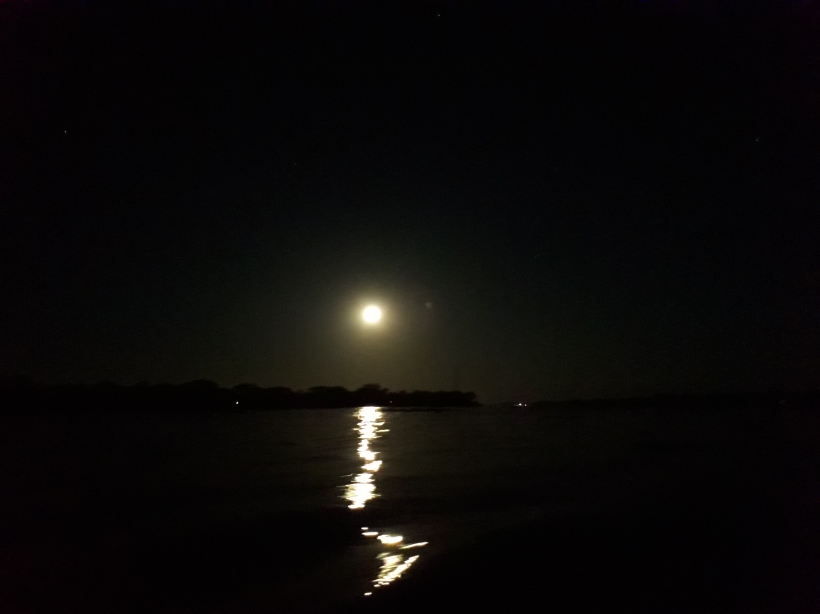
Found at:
(371, 314)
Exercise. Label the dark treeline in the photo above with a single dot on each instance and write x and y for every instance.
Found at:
(19, 393)
(771, 399)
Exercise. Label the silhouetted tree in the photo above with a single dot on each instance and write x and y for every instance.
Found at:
(205, 394)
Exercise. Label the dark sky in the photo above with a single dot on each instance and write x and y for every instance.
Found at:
(549, 200)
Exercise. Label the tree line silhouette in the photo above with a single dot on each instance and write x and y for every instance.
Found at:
(20, 393)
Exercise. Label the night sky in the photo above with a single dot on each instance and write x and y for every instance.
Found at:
(549, 200)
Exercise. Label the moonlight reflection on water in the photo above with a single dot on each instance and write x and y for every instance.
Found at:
(362, 488)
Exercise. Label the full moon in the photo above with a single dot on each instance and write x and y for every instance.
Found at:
(371, 314)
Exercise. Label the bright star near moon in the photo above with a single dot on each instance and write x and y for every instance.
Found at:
(371, 314)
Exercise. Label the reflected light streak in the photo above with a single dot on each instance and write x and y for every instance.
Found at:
(393, 566)
(362, 489)
(390, 539)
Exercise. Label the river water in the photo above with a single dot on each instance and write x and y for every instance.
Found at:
(342, 510)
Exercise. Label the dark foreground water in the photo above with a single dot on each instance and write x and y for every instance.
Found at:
(376, 511)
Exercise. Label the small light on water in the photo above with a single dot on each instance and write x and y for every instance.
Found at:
(393, 566)
(416, 545)
(359, 493)
(370, 533)
(390, 539)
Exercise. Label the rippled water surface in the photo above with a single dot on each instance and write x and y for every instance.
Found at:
(318, 510)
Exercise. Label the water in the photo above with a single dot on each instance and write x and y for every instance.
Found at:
(330, 510)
